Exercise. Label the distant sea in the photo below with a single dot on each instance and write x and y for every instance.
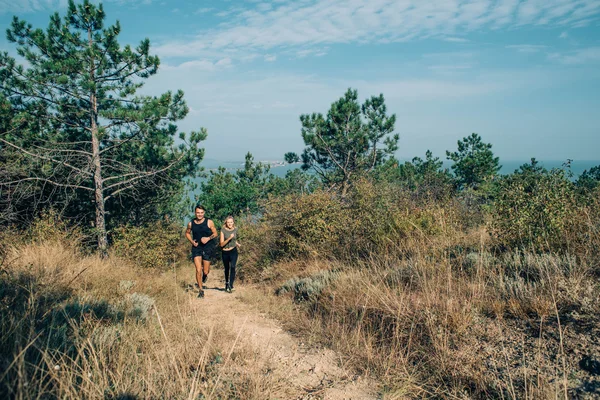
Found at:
(279, 168)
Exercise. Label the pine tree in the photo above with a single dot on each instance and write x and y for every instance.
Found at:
(76, 115)
(474, 162)
(352, 139)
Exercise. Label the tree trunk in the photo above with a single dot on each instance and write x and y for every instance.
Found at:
(98, 192)
(98, 183)
(345, 186)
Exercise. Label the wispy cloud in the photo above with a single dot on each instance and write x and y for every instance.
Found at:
(455, 39)
(318, 22)
(527, 48)
(293, 94)
(26, 6)
(317, 52)
(578, 57)
(563, 35)
(203, 10)
(200, 65)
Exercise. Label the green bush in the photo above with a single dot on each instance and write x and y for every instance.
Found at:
(373, 218)
(534, 208)
(425, 180)
(387, 215)
(589, 179)
(257, 250)
(150, 246)
(50, 226)
(308, 225)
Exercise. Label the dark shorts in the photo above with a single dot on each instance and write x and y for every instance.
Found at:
(206, 252)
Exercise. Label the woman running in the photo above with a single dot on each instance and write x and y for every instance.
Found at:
(230, 244)
(201, 232)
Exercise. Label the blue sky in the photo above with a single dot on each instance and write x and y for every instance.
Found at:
(525, 75)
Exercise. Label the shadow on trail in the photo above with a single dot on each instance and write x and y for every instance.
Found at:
(40, 321)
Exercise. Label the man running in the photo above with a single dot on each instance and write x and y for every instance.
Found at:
(200, 232)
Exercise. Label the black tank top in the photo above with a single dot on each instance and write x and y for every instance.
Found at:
(201, 230)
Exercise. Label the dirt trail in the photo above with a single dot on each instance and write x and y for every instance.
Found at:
(306, 373)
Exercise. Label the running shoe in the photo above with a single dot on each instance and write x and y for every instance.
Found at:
(201, 294)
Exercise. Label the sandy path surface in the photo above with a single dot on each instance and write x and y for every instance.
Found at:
(305, 373)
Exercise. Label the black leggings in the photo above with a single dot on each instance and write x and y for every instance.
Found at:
(229, 260)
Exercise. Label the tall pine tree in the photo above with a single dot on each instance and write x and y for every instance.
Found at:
(77, 123)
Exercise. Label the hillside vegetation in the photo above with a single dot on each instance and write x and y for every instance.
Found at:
(425, 281)
(430, 298)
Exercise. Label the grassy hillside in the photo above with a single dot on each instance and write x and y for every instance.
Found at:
(76, 326)
(429, 298)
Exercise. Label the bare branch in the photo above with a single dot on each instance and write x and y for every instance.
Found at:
(129, 182)
(67, 185)
(49, 150)
(46, 158)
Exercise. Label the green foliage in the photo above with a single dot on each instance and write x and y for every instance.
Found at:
(474, 162)
(385, 216)
(258, 249)
(350, 140)
(425, 179)
(50, 226)
(589, 180)
(224, 193)
(78, 132)
(150, 246)
(295, 181)
(307, 225)
(533, 208)
(374, 217)
(291, 158)
(138, 306)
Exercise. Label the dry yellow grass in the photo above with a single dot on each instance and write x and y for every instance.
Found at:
(464, 325)
(435, 313)
(104, 349)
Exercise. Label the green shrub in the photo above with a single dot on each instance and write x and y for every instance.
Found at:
(589, 179)
(425, 180)
(308, 225)
(150, 246)
(257, 250)
(374, 217)
(50, 226)
(387, 215)
(138, 306)
(534, 208)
